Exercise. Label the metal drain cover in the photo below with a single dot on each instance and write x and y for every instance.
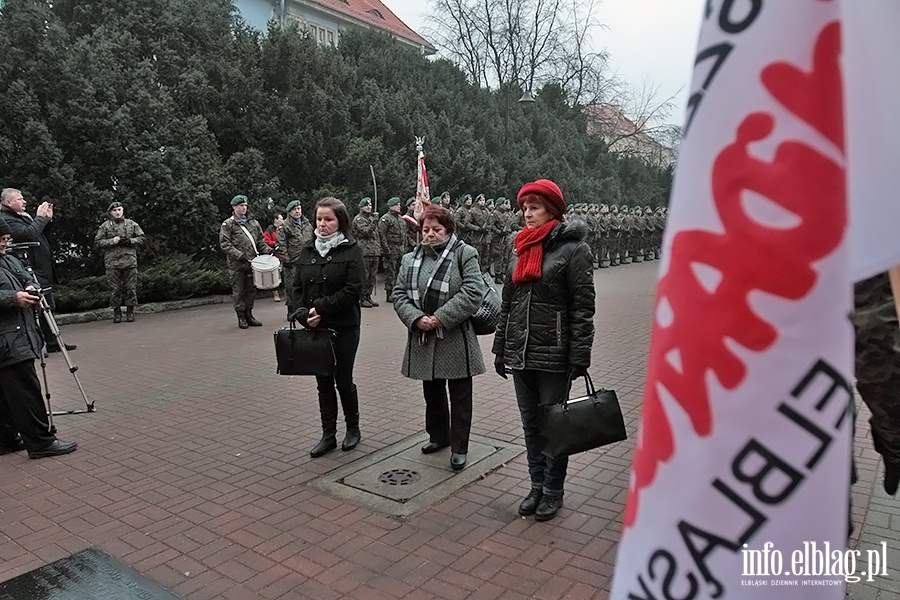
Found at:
(400, 480)
(399, 477)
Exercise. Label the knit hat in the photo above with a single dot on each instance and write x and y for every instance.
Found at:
(548, 190)
(292, 204)
(365, 202)
(410, 200)
(113, 205)
(239, 199)
(393, 201)
(4, 228)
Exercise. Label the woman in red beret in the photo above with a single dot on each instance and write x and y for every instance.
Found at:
(546, 327)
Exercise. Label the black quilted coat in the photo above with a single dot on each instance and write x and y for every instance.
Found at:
(548, 325)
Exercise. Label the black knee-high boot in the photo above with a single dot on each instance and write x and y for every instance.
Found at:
(350, 404)
(328, 413)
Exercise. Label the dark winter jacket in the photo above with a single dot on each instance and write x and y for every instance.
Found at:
(332, 284)
(548, 325)
(26, 229)
(20, 339)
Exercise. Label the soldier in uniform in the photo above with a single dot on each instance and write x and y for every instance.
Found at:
(647, 221)
(603, 241)
(365, 230)
(118, 239)
(878, 369)
(500, 230)
(659, 226)
(615, 236)
(476, 223)
(241, 237)
(593, 220)
(291, 236)
(412, 227)
(446, 201)
(392, 232)
(462, 227)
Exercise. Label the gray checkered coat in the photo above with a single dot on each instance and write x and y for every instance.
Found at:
(458, 354)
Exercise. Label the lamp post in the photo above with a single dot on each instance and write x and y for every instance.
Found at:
(527, 98)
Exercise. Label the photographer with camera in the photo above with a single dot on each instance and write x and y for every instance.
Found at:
(27, 229)
(24, 422)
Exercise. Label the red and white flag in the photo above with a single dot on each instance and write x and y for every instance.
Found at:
(423, 197)
(740, 480)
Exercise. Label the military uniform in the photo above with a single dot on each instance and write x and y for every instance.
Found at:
(365, 230)
(242, 240)
(593, 220)
(616, 253)
(878, 368)
(478, 230)
(603, 222)
(501, 227)
(392, 233)
(120, 260)
(290, 237)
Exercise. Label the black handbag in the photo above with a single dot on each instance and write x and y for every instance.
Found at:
(579, 424)
(487, 317)
(305, 351)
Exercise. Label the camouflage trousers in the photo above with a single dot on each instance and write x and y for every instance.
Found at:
(243, 292)
(391, 268)
(287, 272)
(371, 274)
(602, 249)
(122, 286)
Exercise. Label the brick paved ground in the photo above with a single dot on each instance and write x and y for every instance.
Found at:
(194, 470)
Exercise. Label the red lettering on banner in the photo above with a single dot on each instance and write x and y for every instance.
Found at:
(751, 256)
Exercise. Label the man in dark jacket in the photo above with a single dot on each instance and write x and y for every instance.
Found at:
(27, 229)
(24, 424)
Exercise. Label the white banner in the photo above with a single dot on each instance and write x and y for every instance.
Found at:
(740, 481)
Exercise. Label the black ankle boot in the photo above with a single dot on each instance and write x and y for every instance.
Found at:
(117, 315)
(325, 445)
(242, 319)
(251, 321)
(549, 506)
(530, 503)
(129, 314)
(351, 440)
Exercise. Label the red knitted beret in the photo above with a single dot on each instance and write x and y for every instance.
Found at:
(548, 190)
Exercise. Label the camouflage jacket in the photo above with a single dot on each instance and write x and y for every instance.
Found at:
(123, 254)
(365, 230)
(291, 237)
(877, 331)
(476, 224)
(237, 245)
(392, 231)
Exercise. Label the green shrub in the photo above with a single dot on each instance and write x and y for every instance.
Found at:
(176, 278)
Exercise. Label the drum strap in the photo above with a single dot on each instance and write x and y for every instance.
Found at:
(249, 237)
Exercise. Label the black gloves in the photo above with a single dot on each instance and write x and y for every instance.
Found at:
(300, 315)
(500, 366)
(576, 372)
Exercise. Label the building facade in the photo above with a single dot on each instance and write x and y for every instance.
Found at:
(325, 20)
(625, 136)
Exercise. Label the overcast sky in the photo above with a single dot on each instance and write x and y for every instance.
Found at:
(646, 39)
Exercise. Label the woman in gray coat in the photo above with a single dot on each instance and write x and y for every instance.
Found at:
(439, 287)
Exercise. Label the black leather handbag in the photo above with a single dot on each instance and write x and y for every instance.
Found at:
(579, 424)
(305, 351)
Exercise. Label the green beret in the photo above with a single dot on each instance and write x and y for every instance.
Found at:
(490, 202)
(239, 199)
(445, 195)
(393, 201)
(292, 204)
(410, 200)
(365, 202)
(479, 197)
(436, 200)
(113, 205)
(501, 200)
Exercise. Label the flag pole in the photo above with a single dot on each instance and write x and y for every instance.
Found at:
(375, 189)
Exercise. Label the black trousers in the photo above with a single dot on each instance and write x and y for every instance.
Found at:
(451, 425)
(345, 345)
(22, 408)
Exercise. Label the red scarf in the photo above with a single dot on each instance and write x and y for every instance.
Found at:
(530, 251)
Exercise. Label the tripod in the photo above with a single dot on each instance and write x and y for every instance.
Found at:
(47, 314)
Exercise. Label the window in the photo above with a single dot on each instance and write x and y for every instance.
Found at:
(376, 12)
(321, 35)
(331, 38)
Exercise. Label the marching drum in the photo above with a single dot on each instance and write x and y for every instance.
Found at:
(266, 272)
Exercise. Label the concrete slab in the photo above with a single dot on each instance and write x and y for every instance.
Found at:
(399, 480)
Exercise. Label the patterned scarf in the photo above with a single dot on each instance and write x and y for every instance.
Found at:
(438, 287)
(530, 251)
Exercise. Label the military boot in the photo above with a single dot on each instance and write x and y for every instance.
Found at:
(129, 314)
(251, 320)
(117, 315)
(242, 319)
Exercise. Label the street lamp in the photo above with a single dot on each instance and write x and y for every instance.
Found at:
(527, 98)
